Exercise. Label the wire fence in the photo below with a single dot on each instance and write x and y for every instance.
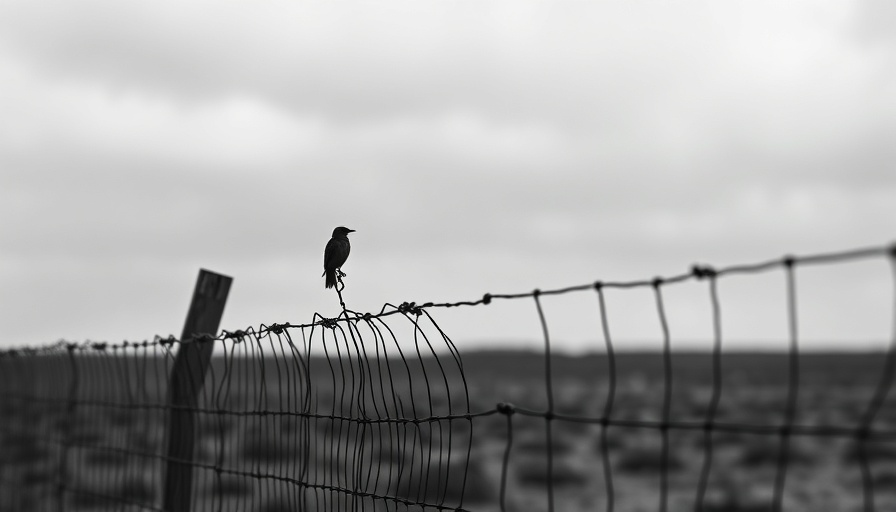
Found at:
(378, 411)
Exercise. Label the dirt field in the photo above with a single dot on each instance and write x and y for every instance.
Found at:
(110, 445)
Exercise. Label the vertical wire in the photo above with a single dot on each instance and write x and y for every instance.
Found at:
(345, 409)
(507, 410)
(285, 424)
(32, 408)
(440, 492)
(406, 467)
(334, 448)
(793, 378)
(394, 429)
(370, 429)
(716, 392)
(61, 419)
(138, 412)
(307, 422)
(143, 415)
(345, 455)
(162, 358)
(105, 397)
(301, 405)
(611, 397)
(201, 477)
(221, 398)
(7, 399)
(466, 402)
(9, 403)
(667, 396)
(246, 385)
(877, 401)
(234, 397)
(360, 424)
(123, 413)
(425, 447)
(352, 413)
(450, 444)
(272, 416)
(255, 387)
(129, 410)
(57, 419)
(550, 393)
(316, 421)
(71, 409)
(205, 422)
(377, 398)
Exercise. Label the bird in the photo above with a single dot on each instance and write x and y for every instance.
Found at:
(335, 254)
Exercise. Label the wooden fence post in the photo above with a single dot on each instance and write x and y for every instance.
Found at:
(187, 377)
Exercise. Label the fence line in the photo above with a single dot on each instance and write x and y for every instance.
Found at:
(335, 415)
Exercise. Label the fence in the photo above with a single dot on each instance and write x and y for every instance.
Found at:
(340, 414)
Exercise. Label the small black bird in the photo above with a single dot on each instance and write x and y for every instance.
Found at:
(336, 253)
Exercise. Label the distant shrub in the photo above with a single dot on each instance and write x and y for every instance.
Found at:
(575, 406)
(106, 457)
(730, 495)
(453, 482)
(885, 478)
(538, 444)
(231, 485)
(875, 451)
(122, 417)
(279, 505)
(534, 471)
(291, 424)
(492, 427)
(525, 425)
(80, 430)
(134, 490)
(459, 427)
(731, 503)
(84, 438)
(137, 490)
(385, 452)
(766, 452)
(262, 446)
(24, 449)
(144, 442)
(573, 428)
(38, 476)
(725, 438)
(647, 458)
(215, 425)
(82, 498)
(616, 439)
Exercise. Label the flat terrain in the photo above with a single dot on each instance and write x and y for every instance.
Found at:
(289, 434)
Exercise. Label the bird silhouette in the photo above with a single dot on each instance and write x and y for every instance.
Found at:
(335, 254)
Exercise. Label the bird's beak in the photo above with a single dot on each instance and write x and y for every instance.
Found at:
(351, 230)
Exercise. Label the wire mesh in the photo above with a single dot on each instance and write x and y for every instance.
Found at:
(377, 411)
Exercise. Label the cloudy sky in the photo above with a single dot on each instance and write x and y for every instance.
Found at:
(474, 146)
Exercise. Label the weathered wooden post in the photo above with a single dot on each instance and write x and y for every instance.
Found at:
(187, 377)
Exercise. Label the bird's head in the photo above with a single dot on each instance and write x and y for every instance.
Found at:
(342, 231)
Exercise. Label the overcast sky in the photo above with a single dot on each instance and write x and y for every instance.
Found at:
(474, 146)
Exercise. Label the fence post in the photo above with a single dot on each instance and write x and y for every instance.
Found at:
(187, 377)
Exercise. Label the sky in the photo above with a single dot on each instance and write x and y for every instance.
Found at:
(474, 146)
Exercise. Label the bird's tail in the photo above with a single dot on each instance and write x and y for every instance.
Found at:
(331, 278)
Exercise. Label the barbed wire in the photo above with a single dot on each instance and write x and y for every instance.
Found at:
(697, 271)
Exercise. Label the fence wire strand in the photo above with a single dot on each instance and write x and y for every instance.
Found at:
(373, 411)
